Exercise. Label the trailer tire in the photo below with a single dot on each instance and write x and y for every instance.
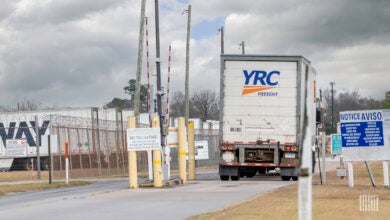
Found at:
(224, 178)
(235, 178)
(286, 178)
(295, 178)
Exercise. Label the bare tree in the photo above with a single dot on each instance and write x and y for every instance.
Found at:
(177, 104)
(204, 104)
(27, 105)
(345, 101)
(386, 102)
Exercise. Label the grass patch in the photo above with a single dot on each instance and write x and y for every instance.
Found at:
(333, 200)
(5, 189)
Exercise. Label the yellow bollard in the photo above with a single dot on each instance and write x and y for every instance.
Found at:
(182, 149)
(191, 151)
(132, 158)
(157, 171)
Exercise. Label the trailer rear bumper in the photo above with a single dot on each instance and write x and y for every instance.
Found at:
(238, 164)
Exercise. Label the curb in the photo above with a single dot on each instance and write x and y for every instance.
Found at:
(172, 182)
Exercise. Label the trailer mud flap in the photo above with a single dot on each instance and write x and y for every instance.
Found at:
(293, 171)
(229, 171)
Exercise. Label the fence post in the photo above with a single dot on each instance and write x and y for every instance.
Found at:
(67, 162)
(132, 158)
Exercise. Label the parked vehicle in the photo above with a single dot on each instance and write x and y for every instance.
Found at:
(262, 113)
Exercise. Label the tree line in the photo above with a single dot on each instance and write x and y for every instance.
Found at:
(347, 101)
(203, 103)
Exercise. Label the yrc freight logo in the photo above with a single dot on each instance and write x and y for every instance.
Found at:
(259, 81)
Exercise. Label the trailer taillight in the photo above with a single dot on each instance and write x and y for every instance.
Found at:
(291, 148)
(227, 147)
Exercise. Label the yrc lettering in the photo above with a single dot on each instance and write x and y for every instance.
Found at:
(260, 77)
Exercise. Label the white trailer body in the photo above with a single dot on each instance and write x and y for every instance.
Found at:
(21, 126)
(262, 107)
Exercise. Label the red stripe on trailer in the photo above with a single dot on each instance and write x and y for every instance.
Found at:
(250, 164)
(251, 142)
(273, 142)
(238, 142)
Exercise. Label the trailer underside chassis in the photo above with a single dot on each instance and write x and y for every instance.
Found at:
(236, 172)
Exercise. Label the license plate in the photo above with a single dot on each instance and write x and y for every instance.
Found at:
(289, 155)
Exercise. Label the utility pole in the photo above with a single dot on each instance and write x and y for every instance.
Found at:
(158, 69)
(222, 40)
(332, 84)
(242, 45)
(187, 99)
(137, 91)
(38, 144)
(160, 93)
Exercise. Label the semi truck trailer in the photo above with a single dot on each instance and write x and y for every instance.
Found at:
(262, 105)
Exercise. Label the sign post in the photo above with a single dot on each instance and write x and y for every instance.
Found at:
(67, 162)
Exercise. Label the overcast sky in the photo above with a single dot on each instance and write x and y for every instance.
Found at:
(72, 53)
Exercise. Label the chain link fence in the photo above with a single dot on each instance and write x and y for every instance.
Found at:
(98, 148)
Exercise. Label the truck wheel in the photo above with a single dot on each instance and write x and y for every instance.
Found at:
(286, 178)
(295, 178)
(224, 178)
(235, 178)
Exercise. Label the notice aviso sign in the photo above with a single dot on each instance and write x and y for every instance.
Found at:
(365, 135)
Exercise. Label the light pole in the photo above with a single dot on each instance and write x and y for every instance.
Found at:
(187, 99)
(332, 84)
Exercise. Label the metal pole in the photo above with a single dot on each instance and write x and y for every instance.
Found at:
(187, 99)
(158, 71)
(332, 84)
(323, 157)
(222, 41)
(370, 172)
(242, 47)
(67, 162)
(38, 145)
(49, 162)
(139, 62)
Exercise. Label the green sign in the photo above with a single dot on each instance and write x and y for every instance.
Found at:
(336, 144)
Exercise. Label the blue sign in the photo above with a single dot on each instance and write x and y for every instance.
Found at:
(362, 129)
(336, 144)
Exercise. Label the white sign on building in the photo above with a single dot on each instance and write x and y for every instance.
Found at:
(16, 148)
(365, 135)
